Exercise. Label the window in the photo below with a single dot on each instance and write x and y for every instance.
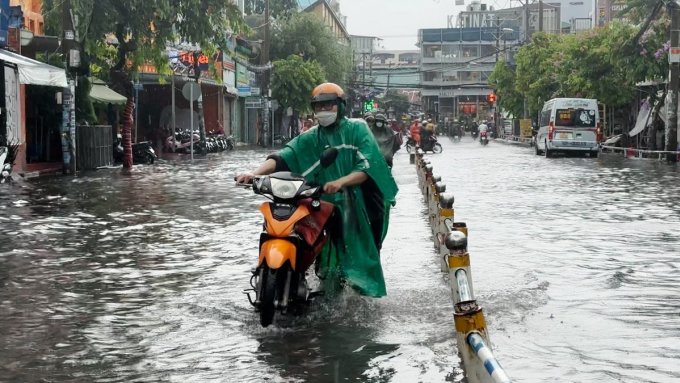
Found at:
(584, 118)
(470, 50)
(433, 51)
(581, 118)
(451, 51)
(429, 76)
(545, 117)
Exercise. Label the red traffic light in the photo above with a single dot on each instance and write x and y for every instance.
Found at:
(491, 97)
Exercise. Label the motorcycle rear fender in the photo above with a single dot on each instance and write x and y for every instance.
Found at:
(276, 252)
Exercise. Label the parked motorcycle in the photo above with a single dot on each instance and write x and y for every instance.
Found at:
(142, 152)
(484, 138)
(181, 142)
(295, 231)
(5, 168)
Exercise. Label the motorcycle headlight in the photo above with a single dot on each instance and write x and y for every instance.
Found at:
(284, 189)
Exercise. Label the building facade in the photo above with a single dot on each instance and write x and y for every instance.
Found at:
(455, 66)
(328, 12)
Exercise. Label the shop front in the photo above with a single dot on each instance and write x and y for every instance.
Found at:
(31, 114)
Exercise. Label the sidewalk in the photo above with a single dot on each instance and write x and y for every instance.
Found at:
(41, 169)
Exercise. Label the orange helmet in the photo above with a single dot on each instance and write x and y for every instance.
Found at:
(328, 91)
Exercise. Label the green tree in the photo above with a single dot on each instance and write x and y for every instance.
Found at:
(536, 72)
(605, 64)
(503, 80)
(293, 80)
(142, 31)
(305, 34)
(397, 101)
(277, 8)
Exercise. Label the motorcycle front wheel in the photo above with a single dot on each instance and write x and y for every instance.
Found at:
(271, 288)
(437, 148)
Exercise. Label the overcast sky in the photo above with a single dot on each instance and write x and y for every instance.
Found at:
(397, 21)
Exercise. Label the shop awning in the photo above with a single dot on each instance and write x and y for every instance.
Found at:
(33, 72)
(102, 93)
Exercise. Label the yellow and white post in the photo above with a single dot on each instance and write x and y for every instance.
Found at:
(473, 339)
(437, 190)
(443, 225)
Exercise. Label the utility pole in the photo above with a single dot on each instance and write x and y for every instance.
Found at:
(540, 15)
(498, 38)
(68, 128)
(674, 73)
(268, 135)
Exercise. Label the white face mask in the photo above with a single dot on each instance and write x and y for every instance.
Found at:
(326, 118)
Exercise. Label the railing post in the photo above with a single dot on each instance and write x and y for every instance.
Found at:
(446, 214)
(437, 190)
(427, 179)
(460, 275)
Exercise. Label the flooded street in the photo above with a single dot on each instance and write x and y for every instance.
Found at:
(111, 278)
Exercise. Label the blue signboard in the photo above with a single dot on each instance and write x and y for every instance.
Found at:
(243, 90)
(4, 22)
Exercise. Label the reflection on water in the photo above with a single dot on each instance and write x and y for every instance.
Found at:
(110, 278)
(575, 261)
(113, 278)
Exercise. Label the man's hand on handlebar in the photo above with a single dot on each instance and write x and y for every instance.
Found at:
(244, 178)
(332, 187)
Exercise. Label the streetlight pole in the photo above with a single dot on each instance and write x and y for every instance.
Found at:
(674, 73)
(268, 135)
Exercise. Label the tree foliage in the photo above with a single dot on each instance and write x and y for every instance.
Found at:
(293, 81)
(306, 35)
(277, 8)
(503, 79)
(397, 101)
(142, 28)
(605, 64)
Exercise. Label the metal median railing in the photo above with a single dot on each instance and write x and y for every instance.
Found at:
(450, 241)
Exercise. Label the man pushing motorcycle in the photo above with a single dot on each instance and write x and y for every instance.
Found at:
(359, 184)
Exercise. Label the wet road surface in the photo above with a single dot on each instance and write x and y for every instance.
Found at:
(111, 278)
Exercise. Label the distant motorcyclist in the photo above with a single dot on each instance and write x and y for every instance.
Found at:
(426, 132)
(415, 132)
(388, 140)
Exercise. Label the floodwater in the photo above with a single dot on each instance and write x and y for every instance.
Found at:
(112, 278)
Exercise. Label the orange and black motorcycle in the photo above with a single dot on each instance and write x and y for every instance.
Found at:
(295, 230)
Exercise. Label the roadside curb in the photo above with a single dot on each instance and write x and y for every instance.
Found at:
(515, 141)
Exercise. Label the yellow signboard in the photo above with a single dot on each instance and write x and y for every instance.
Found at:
(525, 128)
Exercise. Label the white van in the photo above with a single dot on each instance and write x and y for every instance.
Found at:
(568, 125)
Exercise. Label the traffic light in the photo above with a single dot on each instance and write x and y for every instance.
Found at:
(491, 98)
(370, 105)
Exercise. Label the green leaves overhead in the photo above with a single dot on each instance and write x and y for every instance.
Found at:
(142, 28)
(399, 102)
(306, 35)
(605, 63)
(293, 81)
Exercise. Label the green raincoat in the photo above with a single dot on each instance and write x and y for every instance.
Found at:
(364, 208)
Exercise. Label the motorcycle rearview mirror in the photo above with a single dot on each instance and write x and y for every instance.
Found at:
(328, 157)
